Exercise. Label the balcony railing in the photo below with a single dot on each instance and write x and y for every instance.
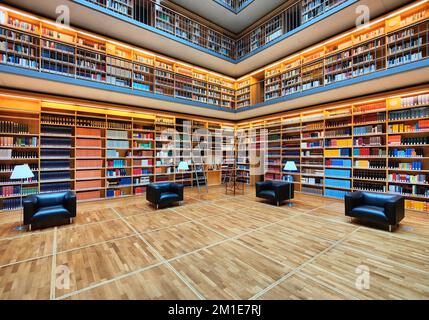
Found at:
(235, 5)
(165, 19)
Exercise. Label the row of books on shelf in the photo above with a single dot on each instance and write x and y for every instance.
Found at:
(339, 143)
(337, 173)
(13, 154)
(415, 165)
(58, 120)
(339, 163)
(417, 205)
(19, 61)
(371, 152)
(368, 129)
(119, 182)
(10, 204)
(56, 130)
(400, 140)
(142, 145)
(141, 171)
(338, 183)
(370, 117)
(117, 134)
(406, 153)
(57, 175)
(54, 153)
(368, 141)
(405, 58)
(407, 178)
(121, 144)
(7, 191)
(141, 180)
(13, 127)
(412, 113)
(332, 193)
(314, 181)
(116, 163)
(370, 164)
(56, 142)
(369, 186)
(401, 127)
(410, 190)
(116, 173)
(88, 153)
(115, 193)
(337, 152)
(18, 141)
(369, 175)
(419, 100)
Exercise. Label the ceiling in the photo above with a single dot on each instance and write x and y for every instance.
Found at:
(227, 19)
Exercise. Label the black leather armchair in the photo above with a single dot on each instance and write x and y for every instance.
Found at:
(48, 210)
(384, 209)
(276, 191)
(164, 193)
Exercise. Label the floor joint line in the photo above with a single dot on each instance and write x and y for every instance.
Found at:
(54, 264)
(162, 259)
(300, 267)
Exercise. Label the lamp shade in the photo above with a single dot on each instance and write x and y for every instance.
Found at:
(290, 166)
(21, 172)
(183, 166)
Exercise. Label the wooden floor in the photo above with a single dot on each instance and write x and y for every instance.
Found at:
(214, 247)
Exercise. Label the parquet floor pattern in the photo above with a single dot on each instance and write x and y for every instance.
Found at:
(214, 247)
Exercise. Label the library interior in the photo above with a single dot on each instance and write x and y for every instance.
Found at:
(216, 149)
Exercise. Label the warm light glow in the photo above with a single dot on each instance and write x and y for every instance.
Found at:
(410, 94)
(369, 101)
(17, 97)
(20, 13)
(58, 25)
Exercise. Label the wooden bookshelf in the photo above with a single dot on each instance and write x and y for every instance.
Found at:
(35, 44)
(379, 145)
(100, 153)
(242, 93)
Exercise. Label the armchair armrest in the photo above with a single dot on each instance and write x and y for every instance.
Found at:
(264, 185)
(153, 193)
(30, 207)
(70, 203)
(394, 209)
(352, 200)
(177, 189)
(283, 190)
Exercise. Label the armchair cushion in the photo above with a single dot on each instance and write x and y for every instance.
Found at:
(267, 194)
(370, 212)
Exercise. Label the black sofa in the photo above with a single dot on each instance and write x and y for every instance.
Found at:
(165, 193)
(384, 209)
(49, 210)
(275, 191)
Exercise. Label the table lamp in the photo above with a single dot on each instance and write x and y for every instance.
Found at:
(183, 166)
(21, 172)
(290, 166)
